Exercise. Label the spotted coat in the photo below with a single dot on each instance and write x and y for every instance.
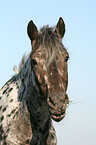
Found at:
(15, 126)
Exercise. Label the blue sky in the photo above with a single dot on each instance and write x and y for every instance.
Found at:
(79, 125)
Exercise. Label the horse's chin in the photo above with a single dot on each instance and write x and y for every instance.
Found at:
(58, 118)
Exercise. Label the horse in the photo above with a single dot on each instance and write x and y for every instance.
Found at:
(37, 94)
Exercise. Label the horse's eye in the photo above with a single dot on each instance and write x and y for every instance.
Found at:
(34, 62)
(66, 58)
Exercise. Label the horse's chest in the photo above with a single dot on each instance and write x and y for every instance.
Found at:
(9, 109)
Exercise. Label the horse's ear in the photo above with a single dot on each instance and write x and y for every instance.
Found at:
(60, 28)
(32, 30)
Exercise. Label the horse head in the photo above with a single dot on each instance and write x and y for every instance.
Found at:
(49, 59)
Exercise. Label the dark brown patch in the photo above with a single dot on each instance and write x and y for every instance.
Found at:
(0, 107)
(11, 100)
(1, 132)
(17, 87)
(2, 118)
(5, 90)
(4, 109)
(8, 115)
(7, 95)
(10, 90)
(12, 112)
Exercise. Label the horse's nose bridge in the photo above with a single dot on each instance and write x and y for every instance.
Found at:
(57, 82)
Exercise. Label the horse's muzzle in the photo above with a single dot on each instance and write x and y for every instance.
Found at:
(57, 105)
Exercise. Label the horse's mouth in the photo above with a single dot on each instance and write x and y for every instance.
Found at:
(58, 117)
(56, 114)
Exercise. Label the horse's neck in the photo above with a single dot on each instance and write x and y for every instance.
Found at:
(35, 102)
(27, 80)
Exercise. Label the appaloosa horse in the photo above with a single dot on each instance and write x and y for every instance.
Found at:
(31, 98)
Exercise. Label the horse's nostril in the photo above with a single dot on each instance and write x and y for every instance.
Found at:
(50, 99)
